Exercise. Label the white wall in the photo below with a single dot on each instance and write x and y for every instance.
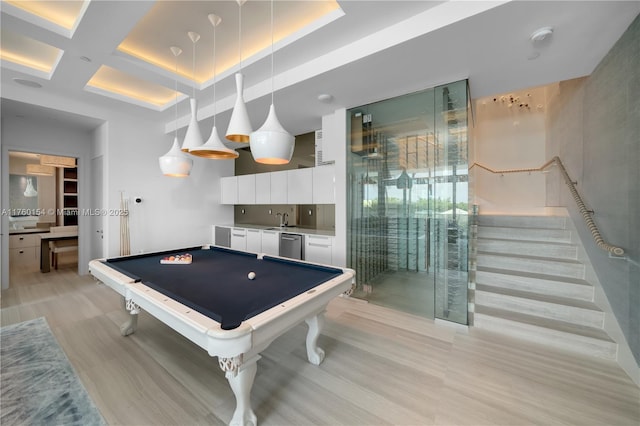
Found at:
(335, 143)
(100, 137)
(510, 138)
(175, 212)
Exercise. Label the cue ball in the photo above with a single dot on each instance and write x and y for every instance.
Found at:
(251, 275)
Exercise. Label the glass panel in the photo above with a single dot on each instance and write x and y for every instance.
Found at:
(406, 168)
(452, 202)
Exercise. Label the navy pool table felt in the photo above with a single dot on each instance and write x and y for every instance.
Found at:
(216, 283)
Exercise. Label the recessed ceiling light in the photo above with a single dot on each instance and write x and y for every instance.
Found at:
(85, 58)
(28, 83)
(325, 97)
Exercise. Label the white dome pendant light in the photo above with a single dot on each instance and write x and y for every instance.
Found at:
(271, 143)
(239, 126)
(176, 163)
(214, 148)
(193, 138)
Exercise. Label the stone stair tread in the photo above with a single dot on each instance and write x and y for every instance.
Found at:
(535, 275)
(529, 257)
(523, 221)
(558, 300)
(535, 242)
(556, 325)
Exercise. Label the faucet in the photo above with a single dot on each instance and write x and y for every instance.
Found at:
(284, 219)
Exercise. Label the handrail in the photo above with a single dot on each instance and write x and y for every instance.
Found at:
(586, 214)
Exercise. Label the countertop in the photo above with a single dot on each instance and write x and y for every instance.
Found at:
(288, 229)
(28, 231)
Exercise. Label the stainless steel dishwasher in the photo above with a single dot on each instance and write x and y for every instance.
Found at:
(291, 246)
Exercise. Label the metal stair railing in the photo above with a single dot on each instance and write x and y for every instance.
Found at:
(586, 213)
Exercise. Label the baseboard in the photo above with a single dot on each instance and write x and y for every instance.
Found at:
(625, 358)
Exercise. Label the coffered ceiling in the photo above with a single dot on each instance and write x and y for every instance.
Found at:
(114, 55)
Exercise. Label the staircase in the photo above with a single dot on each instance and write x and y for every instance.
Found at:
(530, 285)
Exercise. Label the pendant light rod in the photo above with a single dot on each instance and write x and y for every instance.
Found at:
(193, 137)
(214, 148)
(240, 3)
(271, 143)
(272, 86)
(194, 38)
(215, 21)
(175, 163)
(239, 125)
(176, 52)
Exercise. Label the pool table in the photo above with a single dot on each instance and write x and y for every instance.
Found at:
(213, 302)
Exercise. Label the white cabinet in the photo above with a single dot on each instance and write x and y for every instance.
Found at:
(239, 239)
(319, 249)
(229, 190)
(24, 251)
(300, 186)
(324, 185)
(263, 188)
(312, 185)
(279, 187)
(247, 189)
(254, 240)
(270, 242)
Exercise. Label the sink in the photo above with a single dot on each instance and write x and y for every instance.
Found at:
(281, 228)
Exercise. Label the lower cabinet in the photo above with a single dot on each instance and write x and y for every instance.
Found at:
(24, 251)
(239, 239)
(271, 242)
(318, 249)
(254, 240)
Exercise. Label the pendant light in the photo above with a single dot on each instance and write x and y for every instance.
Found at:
(193, 137)
(271, 143)
(30, 191)
(214, 148)
(239, 126)
(176, 163)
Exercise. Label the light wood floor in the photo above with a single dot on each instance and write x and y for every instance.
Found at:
(381, 367)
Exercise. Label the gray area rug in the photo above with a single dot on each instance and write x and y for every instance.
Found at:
(38, 385)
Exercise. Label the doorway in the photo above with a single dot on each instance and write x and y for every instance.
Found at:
(43, 196)
(408, 202)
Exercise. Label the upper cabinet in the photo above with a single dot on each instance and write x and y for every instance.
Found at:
(312, 185)
(324, 185)
(247, 189)
(300, 186)
(263, 188)
(279, 187)
(229, 190)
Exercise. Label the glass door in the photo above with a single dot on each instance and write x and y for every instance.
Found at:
(408, 202)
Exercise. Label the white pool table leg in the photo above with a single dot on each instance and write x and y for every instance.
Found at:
(240, 375)
(131, 325)
(314, 353)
